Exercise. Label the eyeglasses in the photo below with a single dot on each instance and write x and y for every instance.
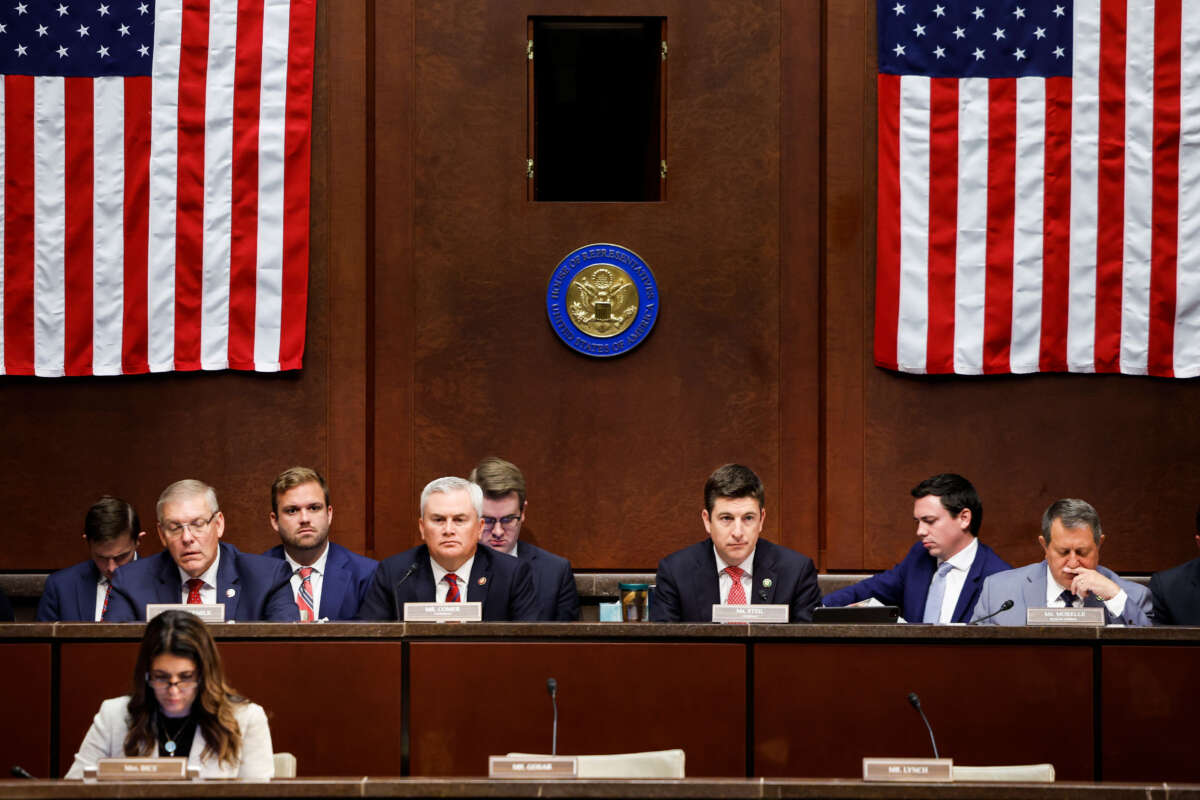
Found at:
(187, 680)
(198, 526)
(508, 523)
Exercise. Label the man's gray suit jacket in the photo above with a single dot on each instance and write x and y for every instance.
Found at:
(1026, 587)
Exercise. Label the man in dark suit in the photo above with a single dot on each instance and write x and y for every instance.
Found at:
(196, 567)
(80, 593)
(1177, 591)
(450, 566)
(328, 581)
(734, 566)
(947, 564)
(504, 507)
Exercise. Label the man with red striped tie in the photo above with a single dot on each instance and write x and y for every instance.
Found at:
(450, 567)
(734, 566)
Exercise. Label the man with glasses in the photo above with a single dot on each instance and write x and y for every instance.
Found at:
(80, 593)
(196, 567)
(504, 508)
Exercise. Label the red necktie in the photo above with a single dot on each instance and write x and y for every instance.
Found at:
(304, 597)
(107, 594)
(737, 595)
(452, 595)
(193, 586)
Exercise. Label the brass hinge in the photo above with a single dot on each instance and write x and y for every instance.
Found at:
(664, 51)
(529, 168)
(529, 49)
(662, 169)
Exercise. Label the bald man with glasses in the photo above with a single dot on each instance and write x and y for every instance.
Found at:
(197, 567)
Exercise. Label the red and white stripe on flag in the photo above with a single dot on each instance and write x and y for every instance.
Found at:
(161, 222)
(1032, 224)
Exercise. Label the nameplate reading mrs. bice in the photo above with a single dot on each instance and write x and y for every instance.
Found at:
(209, 612)
(443, 612)
(532, 768)
(773, 612)
(1065, 616)
(141, 769)
(909, 770)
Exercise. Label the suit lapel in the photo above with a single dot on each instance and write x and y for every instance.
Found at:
(706, 571)
(913, 607)
(170, 588)
(227, 581)
(480, 579)
(334, 584)
(1034, 591)
(765, 575)
(86, 596)
(964, 605)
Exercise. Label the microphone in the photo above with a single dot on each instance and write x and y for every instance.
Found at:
(552, 688)
(1005, 606)
(19, 772)
(916, 703)
(396, 589)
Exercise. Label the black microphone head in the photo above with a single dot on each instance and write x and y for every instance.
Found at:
(1006, 605)
(551, 686)
(914, 700)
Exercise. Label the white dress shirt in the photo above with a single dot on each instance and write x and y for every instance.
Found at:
(316, 580)
(725, 582)
(208, 592)
(441, 588)
(1115, 604)
(956, 578)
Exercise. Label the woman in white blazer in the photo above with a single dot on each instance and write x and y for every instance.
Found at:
(181, 706)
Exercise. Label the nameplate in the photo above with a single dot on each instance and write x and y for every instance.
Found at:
(141, 769)
(909, 770)
(750, 613)
(1064, 616)
(209, 612)
(443, 612)
(532, 768)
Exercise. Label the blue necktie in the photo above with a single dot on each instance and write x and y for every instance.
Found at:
(937, 591)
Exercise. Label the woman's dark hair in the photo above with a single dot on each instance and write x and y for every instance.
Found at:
(181, 634)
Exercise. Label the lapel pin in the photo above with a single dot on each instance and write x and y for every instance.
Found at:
(766, 583)
(230, 592)
(482, 580)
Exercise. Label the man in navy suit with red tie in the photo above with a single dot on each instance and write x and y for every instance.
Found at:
(328, 581)
(734, 566)
(79, 593)
(197, 567)
(450, 566)
(504, 506)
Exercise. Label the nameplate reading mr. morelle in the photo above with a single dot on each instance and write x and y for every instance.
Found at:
(1086, 617)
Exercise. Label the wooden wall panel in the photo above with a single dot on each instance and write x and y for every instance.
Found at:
(25, 696)
(91, 672)
(608, 702)
(846, 701)
(1140, 692)
(1124, 443)
(615, 451)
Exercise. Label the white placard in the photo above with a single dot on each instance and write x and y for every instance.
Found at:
(909, 770)
(1086, 617)
(764, 612)
(443, 612)
(532, 768)
(209, 612)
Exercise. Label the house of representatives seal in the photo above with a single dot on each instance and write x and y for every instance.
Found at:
(602, 300)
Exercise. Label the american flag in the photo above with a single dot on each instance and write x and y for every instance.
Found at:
(154, 167)
(1039, 186)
